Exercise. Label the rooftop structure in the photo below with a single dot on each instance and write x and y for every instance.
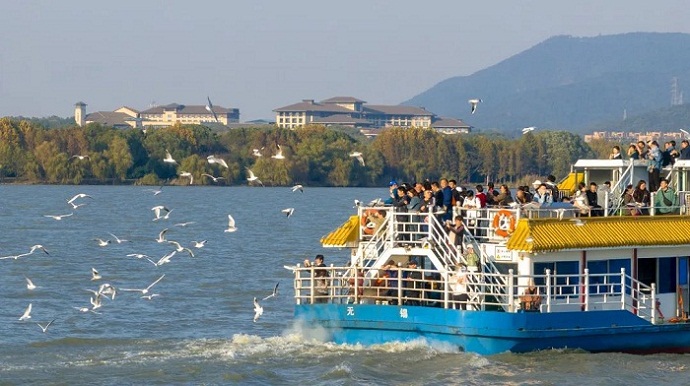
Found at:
(353, 112)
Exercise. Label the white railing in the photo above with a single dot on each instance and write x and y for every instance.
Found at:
(432, 288)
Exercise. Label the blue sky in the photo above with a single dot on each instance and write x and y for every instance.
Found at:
(260, 55)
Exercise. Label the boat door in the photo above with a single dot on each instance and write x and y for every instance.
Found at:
(683, 275)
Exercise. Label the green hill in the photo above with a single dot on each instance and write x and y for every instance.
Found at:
(568, 83)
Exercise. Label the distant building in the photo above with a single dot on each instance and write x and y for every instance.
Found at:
(124, 117)
(159, 116)
(168, 115)
(353, 112)
(633, 136)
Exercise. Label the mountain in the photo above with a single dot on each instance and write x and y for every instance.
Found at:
(568, 82)
(663, 120)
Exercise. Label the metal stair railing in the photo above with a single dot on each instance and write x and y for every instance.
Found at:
(491, 281)
(615, 196)
(439, 241)
(377, 244)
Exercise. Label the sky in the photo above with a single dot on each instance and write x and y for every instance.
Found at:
(261, 55)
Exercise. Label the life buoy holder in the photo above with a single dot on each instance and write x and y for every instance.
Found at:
(504, 223)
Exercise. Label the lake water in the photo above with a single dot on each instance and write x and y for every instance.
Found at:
(200, 329)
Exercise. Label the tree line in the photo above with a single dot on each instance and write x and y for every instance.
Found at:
(314, 155)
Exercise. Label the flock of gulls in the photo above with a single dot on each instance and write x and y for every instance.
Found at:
(161, 213)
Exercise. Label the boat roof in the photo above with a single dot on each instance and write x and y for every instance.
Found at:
(543, 235)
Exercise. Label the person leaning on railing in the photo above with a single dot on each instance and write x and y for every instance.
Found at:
(665, 200)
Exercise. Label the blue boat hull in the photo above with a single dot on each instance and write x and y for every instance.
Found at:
(492, 332)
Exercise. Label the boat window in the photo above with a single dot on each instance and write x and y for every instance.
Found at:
(667, 275)
(564, 285)
(646, 271)
(610, 283)
(683, 271)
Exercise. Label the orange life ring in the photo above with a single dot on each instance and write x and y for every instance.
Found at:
(504, 223)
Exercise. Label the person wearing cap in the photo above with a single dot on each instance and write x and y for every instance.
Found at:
(471, 258)
(665, 200)
(392, 193)
(413, 279)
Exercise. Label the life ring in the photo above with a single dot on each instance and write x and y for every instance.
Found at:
(504, 223)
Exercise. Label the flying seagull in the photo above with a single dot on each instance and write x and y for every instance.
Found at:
(684, 131)
(168, 158)
(288, 211)
(143, 291)
(33, 249)
(528, 129)
(95, 275)
(27, 313)
(157, 210)
(119, 240)
(231, 224)
(184, 224)
(29, 284)
(199, 244)
(187, 174)
(358, 155)
(163, 260)
(279, 154)
(80, 157)
(77, 196)
(258, 310)
(45, 328)
(298, 187)
(215, 179)
(212, 159)
(209, 107)
(58, 217)
(180, 248)
(473, 104)
(155, 191)
(257, 152)
(252, 178)
(161, 236)
(275, 292)
(101, 242)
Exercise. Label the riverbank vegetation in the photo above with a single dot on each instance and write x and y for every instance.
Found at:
(314, 155)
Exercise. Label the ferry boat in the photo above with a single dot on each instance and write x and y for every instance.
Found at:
(544, 278)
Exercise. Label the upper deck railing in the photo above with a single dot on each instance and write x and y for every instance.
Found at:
(433, 288)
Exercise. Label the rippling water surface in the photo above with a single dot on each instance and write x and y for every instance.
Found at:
(200, 330)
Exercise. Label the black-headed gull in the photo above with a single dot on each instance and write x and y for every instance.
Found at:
(59, 216)
(528, 129)
(278, 154)
(358, 156)
(473, 104)
(288, 211)
(184, 224)
(161, 236)
(180, 248)
(212, 159)
(27, 313)
(231, 224)
(119, 240)
(199, 244)
(95, 275)
(144, 291)
(157, 210)
(209, 107)
(257, 153)
(298, 187)
(33, 249)
(155, 191)
(78, 196)
(215, 179)
(252, 178)
(275, 292)
(29, 284)
(80, 157)
(101, 242)
(45, 328)
(163, 260)
(258, 310)
(168, 158)
(188, 175)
